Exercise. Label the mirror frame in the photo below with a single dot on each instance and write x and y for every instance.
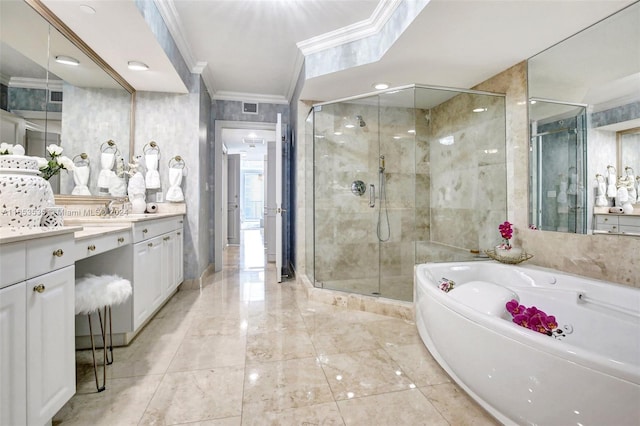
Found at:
(619, 135)
(55, 22)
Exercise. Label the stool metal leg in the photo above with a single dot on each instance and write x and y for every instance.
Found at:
(105, 333)
(93, 353)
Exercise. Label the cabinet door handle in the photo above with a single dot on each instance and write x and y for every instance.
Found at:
(150, 245)
(121, 240)
(40, 288)
(91, 247)
(179, 233)
(58, 253)
(182, 221)
(166, 238)
(145, 230)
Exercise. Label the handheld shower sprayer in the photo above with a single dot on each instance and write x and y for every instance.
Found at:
(381, 164)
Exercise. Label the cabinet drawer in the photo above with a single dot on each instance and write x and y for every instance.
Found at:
(48, 254)
(611, 228)
(152, 228)
(88, 247)
(13, 267)
(631, 230)
(603, 219)
(629, 220)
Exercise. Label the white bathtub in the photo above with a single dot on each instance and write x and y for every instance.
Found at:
(591, 376)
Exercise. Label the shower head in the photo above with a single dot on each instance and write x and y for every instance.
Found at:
(361, 122)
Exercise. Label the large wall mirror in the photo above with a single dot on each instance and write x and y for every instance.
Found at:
(46, 99)
(584, 102)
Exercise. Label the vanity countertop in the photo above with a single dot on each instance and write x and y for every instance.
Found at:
(605, 210)
(12, 235)
(117, 220)
(98, 231)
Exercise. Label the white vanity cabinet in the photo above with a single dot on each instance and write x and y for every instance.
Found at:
(621, 224)
(37, 353)
(157, 265)
(13, 355)
(147, 252)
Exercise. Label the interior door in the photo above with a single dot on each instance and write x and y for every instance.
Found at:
(270, 203)
(278, 194)
(233, 200)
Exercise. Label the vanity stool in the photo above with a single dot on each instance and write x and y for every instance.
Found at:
(93, 293)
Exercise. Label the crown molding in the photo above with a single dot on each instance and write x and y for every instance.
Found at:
(171, 18)
(5, 79)
(224, 95)
(35, 83)
(352, 32)
(297, 67)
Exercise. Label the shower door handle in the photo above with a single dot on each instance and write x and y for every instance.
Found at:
(372, 195)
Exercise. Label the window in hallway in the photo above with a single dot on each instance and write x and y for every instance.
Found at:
(252, 194)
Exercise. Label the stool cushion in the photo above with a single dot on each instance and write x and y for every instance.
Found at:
(92, 292)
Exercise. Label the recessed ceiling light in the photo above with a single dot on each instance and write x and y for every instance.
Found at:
(411, 131)
(349, 126)
(380, 86)
(533, 102)
(479, 109)
(337, 133)
(137, 66)
(397, 137)
(67, 60)
(87, 9)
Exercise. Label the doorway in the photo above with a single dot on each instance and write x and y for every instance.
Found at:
(240, 185)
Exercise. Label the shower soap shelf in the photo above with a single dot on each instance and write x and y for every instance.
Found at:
(510, 260)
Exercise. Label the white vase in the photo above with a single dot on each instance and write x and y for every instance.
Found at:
(138, 205)
(23, 193)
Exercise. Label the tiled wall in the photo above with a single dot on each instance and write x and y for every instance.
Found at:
(467, 187)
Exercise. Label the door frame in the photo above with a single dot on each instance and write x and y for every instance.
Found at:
(218, 189)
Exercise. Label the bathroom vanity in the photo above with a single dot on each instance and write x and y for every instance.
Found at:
(619, 224)
(37, 362)
(39, 329)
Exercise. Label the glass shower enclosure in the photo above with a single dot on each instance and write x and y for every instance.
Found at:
(557, 161)
(410, 175)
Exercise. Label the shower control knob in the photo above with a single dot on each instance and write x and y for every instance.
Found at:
(358, 187)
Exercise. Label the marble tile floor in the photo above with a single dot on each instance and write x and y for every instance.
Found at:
(245, 350)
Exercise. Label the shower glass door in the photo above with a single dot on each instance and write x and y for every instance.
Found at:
(557, 163)
(345, 155)
(364, 179)
(413, 174)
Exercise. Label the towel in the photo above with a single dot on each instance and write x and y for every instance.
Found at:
(622, 196)
(152, 178)
(611, 180)
(601, 199)
(107, 159)
(562, 194)
(81, 178)
(174, 193)
(573, 184)
(117, 186)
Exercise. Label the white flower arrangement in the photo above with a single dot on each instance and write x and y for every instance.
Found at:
(8, 149)
(57, 162)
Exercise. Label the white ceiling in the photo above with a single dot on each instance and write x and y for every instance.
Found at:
(246, 49)
(249, 46)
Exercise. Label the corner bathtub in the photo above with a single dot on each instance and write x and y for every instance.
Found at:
(591, 376)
